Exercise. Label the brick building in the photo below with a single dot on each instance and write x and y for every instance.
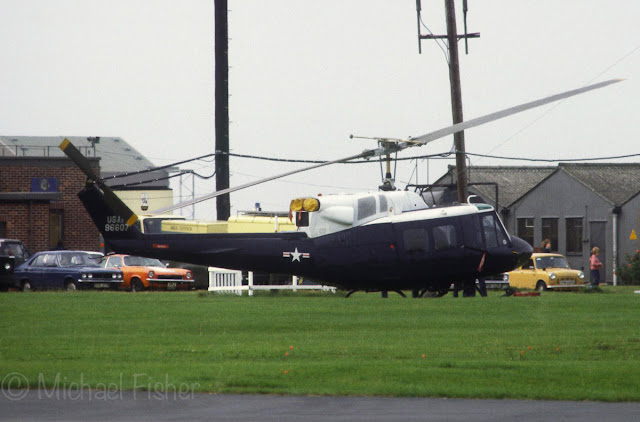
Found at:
(39, 187)
(39, 203)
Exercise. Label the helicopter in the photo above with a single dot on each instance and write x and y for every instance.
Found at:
(381, 241)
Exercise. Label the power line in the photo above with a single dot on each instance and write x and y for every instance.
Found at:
(553, 160)
(157, 179)
(441, 155)
(157, 168)
(292, 160)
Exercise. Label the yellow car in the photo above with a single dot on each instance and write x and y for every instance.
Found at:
(546, 271)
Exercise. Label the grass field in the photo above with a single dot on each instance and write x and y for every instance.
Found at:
(569, 346)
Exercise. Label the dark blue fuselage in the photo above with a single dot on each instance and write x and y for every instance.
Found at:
(406, 255)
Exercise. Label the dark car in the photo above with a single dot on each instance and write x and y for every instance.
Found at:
(12, 253)
(70, 270)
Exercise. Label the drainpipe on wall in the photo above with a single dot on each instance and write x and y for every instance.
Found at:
(616, 211)
(31, 226)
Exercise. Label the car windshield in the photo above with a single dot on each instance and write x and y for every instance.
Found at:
(139, 261)
(11, 249)
(76, 259)
(551, 262)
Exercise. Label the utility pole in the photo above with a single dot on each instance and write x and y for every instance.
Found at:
(454, 80)
(456, 100)
(223, 203)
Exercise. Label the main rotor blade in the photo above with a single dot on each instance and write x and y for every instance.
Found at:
(432, 136)
(364, 154)
(421, 140)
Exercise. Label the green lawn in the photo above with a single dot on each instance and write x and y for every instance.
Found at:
(569, 346)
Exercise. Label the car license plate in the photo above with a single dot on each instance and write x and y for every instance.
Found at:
(566, 281)
(171, 286)
(101, 285)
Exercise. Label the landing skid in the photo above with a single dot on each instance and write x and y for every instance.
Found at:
(427, 293)
(383, 293)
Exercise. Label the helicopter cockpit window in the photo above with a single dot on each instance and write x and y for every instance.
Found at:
(415, 240)
(493, 233)
(444, 237)
(383, 206)
(366, 207)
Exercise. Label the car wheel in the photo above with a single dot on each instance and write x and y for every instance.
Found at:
(70, 286)
(541, 286)
(26, 286)
(137, 286)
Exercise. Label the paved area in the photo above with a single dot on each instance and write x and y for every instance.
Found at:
(145, 406)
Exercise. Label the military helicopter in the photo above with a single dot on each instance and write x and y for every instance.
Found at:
(387, 240)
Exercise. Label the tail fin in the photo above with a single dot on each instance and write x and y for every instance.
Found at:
(110, 223)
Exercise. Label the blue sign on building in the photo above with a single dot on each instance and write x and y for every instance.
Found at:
(44, 184)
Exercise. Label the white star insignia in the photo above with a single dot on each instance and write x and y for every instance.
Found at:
(296, 255)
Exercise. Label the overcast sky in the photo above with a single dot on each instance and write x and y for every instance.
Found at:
(306, 74)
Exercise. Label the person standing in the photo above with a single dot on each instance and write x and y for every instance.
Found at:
(546, 246)
(595, 266)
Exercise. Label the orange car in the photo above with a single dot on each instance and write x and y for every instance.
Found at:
(141, 273)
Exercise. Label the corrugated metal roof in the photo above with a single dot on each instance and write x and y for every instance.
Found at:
(116, 155)
(513, 182)
(616, 183)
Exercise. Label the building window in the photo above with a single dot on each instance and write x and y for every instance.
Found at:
(525, 229)
(574, 235)
(550, 231)
(3, 229)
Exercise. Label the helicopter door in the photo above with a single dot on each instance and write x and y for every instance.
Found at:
(415, 250)
(496, 240)
(447, 242)
(373, 248)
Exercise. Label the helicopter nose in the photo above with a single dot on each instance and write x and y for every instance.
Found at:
(522, 249)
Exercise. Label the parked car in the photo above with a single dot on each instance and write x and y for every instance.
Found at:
(12, 253)
(546, 271)
(141, 273)
(70, 270)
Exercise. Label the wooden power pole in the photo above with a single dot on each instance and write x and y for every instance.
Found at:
(223, 203)
(456, 101)
(454, 79)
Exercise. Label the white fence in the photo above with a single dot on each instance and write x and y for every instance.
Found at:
(222, 280)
